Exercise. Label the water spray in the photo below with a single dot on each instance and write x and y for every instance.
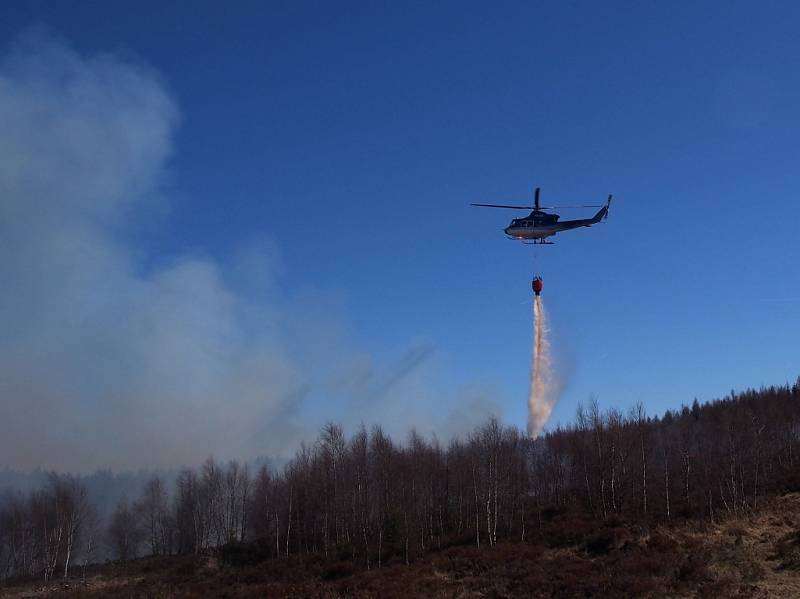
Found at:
(542, 392)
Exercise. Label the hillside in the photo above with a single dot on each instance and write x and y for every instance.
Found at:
(566, 555)
(700, 500)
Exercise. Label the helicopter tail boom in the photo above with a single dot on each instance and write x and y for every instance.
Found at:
(602, 213)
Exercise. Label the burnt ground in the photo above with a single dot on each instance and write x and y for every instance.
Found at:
(569, 556)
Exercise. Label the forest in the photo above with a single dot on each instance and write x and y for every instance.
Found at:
(375, 501)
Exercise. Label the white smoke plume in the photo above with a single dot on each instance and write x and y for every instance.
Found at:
(104, 362)
(110, 357)
(543, 391)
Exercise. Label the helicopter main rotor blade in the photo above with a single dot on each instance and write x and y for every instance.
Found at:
(581, 206)
(504, 206)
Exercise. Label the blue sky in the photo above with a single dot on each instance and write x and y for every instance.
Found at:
(353, 137)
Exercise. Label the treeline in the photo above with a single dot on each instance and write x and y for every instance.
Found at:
(370, 499)
(42, 532)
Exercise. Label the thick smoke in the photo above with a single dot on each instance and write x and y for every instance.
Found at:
(543, 392)
(105, 361)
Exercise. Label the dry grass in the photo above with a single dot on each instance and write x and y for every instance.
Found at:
(569, 556)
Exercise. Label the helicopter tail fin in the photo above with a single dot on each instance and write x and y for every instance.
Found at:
(603, 212)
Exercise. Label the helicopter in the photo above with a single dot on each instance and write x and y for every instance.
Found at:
(539, 225)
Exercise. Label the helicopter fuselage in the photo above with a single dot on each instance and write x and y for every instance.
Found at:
(540, 225)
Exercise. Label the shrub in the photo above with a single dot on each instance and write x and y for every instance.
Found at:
(787, 551)
(607, 539)
(694, 568)
(186, 570)
(735, 530)
(240, 554)
(338, 570)
(567, 530)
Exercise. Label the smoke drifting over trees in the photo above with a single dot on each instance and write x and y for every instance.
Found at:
(114, 358)
(370, 499)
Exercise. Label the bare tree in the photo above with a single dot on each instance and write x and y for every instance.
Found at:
(124, 531)
(153, 506)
